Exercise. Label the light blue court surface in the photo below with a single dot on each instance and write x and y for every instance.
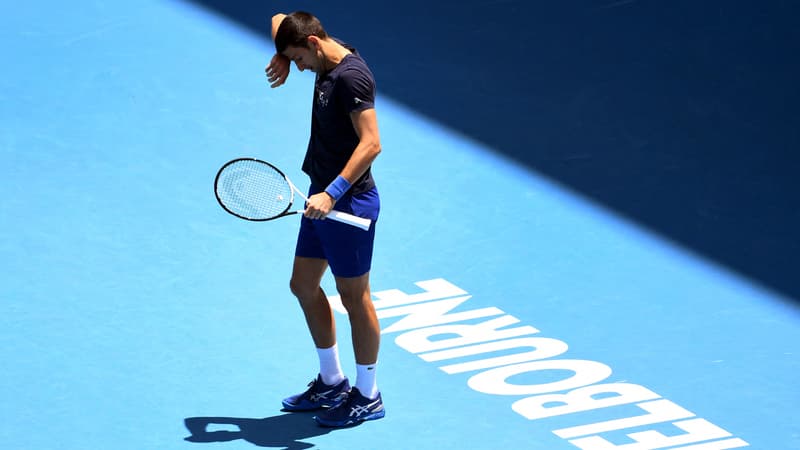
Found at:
(136, 313)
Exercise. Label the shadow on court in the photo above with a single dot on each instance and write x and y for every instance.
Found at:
(286, 431)
(681, 116)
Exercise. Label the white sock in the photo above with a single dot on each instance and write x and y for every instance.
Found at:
(365, 380)
(329, 367)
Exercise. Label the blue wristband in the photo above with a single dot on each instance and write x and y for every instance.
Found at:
(338, 187)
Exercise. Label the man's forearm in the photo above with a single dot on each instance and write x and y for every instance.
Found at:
(276, 23)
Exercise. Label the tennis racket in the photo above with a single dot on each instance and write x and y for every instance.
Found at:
(256, 190)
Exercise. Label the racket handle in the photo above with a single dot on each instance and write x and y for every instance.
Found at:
(350, 219)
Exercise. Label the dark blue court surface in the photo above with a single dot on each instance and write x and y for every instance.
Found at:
(589, 235)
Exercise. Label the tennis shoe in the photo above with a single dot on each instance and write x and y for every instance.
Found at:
(318, 395)
(354, 410)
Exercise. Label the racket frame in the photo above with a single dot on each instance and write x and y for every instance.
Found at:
(359, 222)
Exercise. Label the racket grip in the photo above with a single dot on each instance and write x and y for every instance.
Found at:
(350, 219)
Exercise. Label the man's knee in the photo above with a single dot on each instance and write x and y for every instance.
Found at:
(306, 276)
(304, 291)
(354, 292)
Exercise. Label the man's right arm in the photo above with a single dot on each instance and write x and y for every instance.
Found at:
(276, 23)
(278, 68)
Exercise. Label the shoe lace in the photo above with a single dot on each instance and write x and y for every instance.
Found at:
(312, 389)
(344, 403)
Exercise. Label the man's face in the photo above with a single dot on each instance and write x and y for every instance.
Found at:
(304, 58)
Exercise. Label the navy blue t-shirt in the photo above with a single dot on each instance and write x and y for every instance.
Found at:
(348, 87)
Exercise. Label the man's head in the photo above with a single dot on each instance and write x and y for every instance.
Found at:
(298, 38)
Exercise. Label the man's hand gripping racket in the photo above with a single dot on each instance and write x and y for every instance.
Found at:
(256, 190)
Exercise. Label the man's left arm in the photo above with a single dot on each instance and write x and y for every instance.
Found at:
(365, 123)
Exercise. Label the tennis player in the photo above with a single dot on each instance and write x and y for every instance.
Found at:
(344, 142)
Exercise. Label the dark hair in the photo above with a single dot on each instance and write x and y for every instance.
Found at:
(295, 30)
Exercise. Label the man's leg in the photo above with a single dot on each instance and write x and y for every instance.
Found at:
(364, 401)
(366, 332)
(305, 285)
(331, 386)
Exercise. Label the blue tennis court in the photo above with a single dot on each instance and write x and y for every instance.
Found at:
(518, 309)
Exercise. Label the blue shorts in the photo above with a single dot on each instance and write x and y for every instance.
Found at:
(347, 249)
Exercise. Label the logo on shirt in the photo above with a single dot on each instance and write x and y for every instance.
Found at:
(322, 100)
(358, 100)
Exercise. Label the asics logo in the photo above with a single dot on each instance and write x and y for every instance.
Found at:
(358, 410)
(320, 396)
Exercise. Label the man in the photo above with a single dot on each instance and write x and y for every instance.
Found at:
(343, 144)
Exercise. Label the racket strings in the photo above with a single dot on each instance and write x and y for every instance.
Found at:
(254, 190)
